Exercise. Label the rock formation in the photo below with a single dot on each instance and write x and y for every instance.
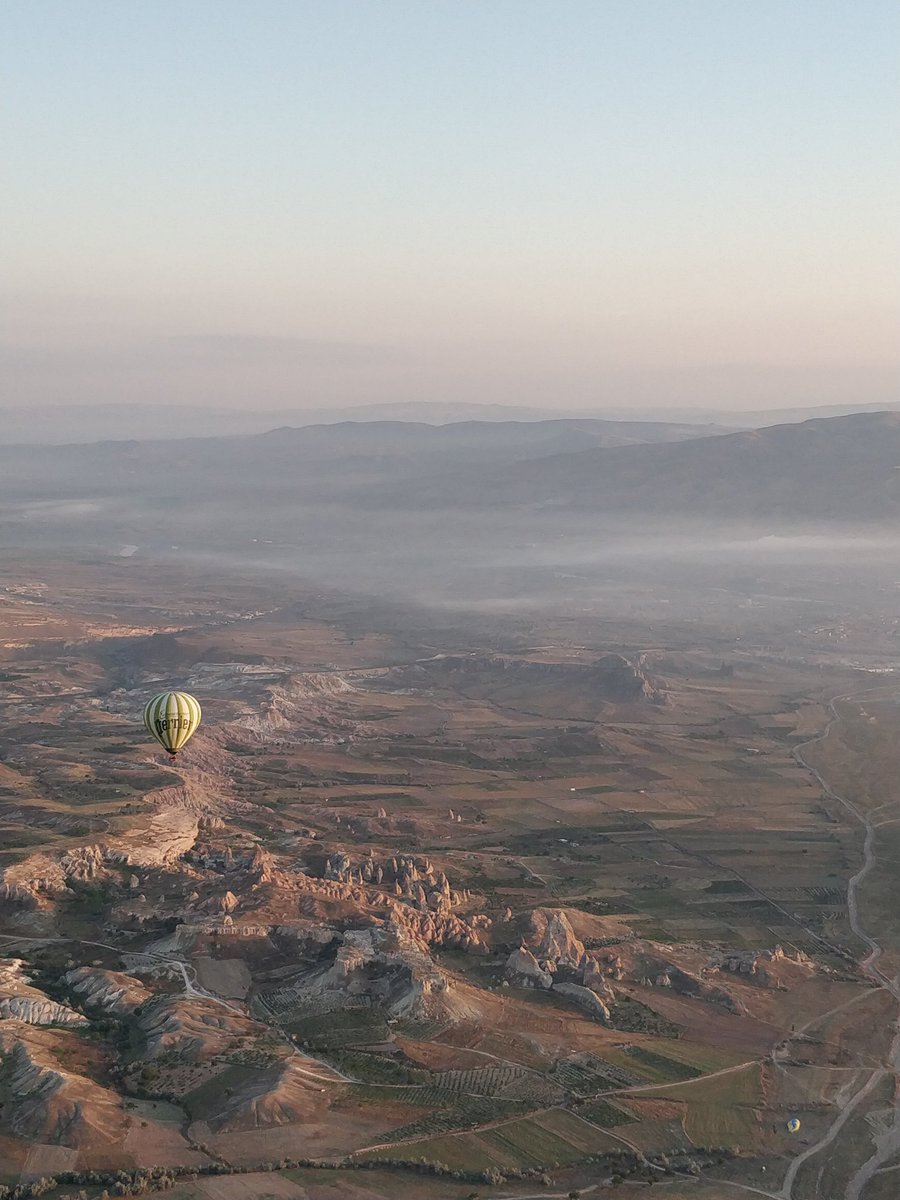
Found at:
(34, 883)
(549, 936)
(285, 1095)
(524, 970)
(551, 956)
(192, 1027)
(765, 968)
(384, 964)
(412, 879)
(20, 1001)
(48, 1104)
(262, 866)
(610, 679)
(586, 998)
(109, 991)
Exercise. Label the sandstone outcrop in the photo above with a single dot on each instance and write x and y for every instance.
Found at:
(765, 968)
(192, 1027)
(524, 970)
(283, 1096)
(38, 1010)
(39, 881)
(34, 883)
(433, 929)
(586, 999)
(552, 956)
(663, 973)
(293, 706)
(610, 679)
(262, 866)
(592, 977)
(22, 1002)
(412, 879)
(549, 936)
(48, 1104)
(652, 965)
(110, 991)
(386, 965)
(85, 863)
(171, 831)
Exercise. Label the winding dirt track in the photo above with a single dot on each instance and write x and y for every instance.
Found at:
(887, 1142)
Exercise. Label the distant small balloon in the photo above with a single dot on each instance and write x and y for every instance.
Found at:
(793, 1125)
(172, 718)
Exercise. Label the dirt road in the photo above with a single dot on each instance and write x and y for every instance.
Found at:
(887, 1140)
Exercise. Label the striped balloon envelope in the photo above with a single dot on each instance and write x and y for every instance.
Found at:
(172, 718)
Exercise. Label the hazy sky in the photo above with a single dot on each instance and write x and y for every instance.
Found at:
(561, 202)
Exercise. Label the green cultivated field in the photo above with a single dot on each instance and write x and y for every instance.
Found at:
(555, 1137)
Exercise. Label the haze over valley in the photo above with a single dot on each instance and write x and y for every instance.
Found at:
(562, 512)
(449, 600)
(537, 832)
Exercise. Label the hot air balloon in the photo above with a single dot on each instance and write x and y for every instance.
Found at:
(793, 1125)
(172, 717)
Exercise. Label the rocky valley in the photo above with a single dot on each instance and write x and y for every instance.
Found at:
(493, 909)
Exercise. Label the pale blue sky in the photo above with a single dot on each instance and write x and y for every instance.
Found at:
(538, 201)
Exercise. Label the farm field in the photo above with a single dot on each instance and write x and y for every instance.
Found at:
(418, 891)
(550, 1139)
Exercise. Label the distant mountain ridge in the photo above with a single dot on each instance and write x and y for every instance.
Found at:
(832, 469)
(334, 455)
(85, 423)
(837, 468)
(62, 424)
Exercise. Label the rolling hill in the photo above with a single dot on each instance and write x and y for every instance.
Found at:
(376, 479)
(839, 468)
(336, 455)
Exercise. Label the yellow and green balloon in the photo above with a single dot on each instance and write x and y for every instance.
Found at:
(172, 718)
